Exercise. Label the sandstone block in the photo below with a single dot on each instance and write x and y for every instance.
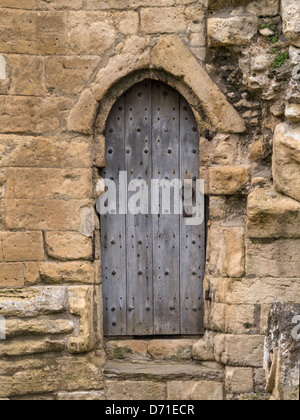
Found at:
(52, 114)
(207, 371)
(31, 183)
(27, 32)
(60, 4)
(22, 246)
(233, 30)
(255, 291)
(40, 376)
(195, 15)
(222, 150)
(41, 214)
(264, 318)
(63, 272)
(257, 150)
(127, 22)
(240, 350)
(50, 33)
(6, 187)
(17, 328)
(242, 319)
(278, 108)
(272, 215)
(199, 52)
(99, 152)
(173, 20)
(204, 349)
(81, 396)
(234, 259)
(195, 391)
(217, 208)
(226, 251)
(82, 116)
(291, 21)
(130, 4)
(90, 33)
(23, 114)
(260, 380)
(292, 112)
(131, 55)
(68, 246)
(81, 304)
(11, 275)
(26, 347)
(264, 7)
(26, 75)
(280, 258)
(218, 288)
(19, 4)
(198, 39)
(132, 390)
(32, 274)
(69, 75)
(89, 221)
(286, 160)
(18, 114)
(171, 349)
(238, 380)
(33, 301)
(2, 68)
(128, 349)
(227, 180)
(215, 317)
(48, 152)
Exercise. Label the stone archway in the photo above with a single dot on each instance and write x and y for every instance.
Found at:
(169, 55)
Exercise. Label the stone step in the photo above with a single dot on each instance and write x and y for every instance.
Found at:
(151, 350)
(209, 371)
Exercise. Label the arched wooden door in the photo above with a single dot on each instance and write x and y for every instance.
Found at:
(153, 265)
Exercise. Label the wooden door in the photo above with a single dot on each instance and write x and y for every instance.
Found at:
(153, 265)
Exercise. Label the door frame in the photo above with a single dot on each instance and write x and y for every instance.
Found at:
(137, 79)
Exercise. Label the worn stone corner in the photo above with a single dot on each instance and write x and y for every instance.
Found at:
(81, 304)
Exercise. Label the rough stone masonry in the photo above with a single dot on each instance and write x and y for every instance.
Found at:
(63, 64)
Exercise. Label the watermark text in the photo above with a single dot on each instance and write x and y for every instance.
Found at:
(296, 330)
(159, 197)
(2, 328)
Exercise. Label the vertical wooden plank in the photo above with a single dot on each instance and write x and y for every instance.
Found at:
(166, 252)
(113, 239)
(138, 158)
(192, 241)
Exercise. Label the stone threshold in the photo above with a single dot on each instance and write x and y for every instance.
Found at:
(164, 372)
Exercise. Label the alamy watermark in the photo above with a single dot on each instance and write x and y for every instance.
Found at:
(133, 197)
(2, 328)
(296, 330)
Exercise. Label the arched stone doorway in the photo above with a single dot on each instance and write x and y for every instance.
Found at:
(152, 262)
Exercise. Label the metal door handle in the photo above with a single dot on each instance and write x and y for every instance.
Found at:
(185, 214)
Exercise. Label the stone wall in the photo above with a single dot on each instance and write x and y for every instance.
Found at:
(63, 64)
